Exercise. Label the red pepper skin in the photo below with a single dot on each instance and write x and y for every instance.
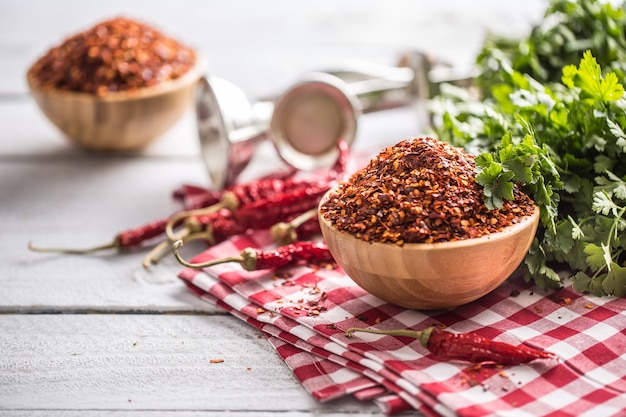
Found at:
(477, 349)
(134, 237)
(308, 229)
(267, 192)
(255, 259)
(222, 225)
(265, 213)
(312, 252)
(465, 347)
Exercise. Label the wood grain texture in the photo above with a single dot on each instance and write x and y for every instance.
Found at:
(73, 199)
(149, 340)
(81, 203)
(131, 362)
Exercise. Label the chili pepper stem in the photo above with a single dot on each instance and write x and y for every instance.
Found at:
(285, 232)
(159, 251)
(229, 201)
(179, 244)
(69, 251)
(421, 335)
(155, 255)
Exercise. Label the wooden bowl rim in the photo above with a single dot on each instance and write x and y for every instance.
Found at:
(192, 75)
(522, 224)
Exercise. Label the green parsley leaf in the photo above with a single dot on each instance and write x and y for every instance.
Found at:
(615, 281)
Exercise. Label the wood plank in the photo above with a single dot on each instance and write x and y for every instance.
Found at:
(261, 46)
(83, 203)
(144, 363)
(72, 199)
(115, 350)
(177, 413)
(33, 137)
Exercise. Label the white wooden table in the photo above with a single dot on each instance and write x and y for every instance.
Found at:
(97, 335)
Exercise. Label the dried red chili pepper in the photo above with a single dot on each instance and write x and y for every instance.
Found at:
(207, 223)
(262, 203)
(228, 201)
(265, 213)
(252, 195)
(224, 223)
(254, 259)
(123, 241)
(309, 229)
(193, 196)
(466, 347)
(213, 228)
(132, 238)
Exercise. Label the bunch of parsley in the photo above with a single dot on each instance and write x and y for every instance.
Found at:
(564, 142)
(567, 30)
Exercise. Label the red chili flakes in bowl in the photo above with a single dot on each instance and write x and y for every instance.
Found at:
(419, 191)
(115, 55)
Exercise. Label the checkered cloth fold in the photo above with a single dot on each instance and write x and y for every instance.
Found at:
(305, 311)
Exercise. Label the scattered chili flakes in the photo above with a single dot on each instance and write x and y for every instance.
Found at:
(419, 191)
(589, 306)
(561, 300)
(216, 361)
(119, 54)
(260, 310)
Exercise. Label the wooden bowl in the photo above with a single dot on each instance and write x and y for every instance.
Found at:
(122, 121)
(429, 276)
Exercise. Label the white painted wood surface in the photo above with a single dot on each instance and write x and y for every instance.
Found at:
(97, 335)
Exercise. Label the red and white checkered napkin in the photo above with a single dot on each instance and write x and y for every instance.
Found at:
(305, 311)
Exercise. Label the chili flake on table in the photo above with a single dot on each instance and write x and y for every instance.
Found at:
(119, 54)
(420, 190)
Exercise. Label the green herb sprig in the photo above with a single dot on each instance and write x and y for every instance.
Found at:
(565, 144)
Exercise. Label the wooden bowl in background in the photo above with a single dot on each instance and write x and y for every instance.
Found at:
(430, 276)
(121, 121)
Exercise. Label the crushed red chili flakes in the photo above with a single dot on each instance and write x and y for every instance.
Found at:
(119, 54)
(420, 190)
